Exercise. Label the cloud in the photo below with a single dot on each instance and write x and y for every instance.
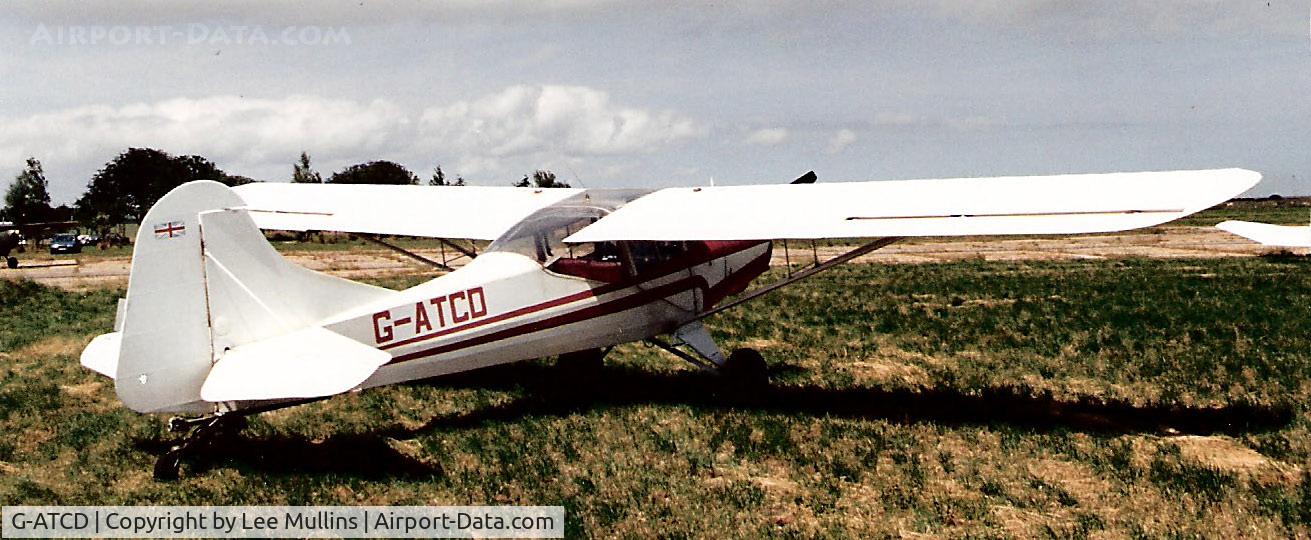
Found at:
(565, 121)
(840, 141)
(231, 128)
(350, 12)
(896, 119)
(1118, 19)
(1100, 19)
(767, 136)
(541, 125)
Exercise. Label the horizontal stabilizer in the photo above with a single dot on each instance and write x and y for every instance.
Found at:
(1270, 235)
(101, 355)
(1063, 204)
(308, 363)
(472, 212)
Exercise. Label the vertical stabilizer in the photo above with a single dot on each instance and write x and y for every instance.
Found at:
(204, 281)
(165, 353)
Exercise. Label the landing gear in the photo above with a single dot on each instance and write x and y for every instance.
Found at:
(743, 366)
(746, 366)
(200, 432)
(11, 262)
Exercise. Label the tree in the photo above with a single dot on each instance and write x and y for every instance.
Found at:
(302, 173)
(62, 212)
(130, 184)
(438, 177)
(541, 178)
(28, 198)
(375, 172)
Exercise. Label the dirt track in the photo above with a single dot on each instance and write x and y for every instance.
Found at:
(1171, 242)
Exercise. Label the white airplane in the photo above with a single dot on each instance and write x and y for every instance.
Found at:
(1293, 236)
(217, 324)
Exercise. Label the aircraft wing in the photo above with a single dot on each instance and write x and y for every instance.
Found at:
(32, 230)
(1064, 204)
(1270, 235)
(472, 212)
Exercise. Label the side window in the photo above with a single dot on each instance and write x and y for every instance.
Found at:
(600, 261)
(655, 257)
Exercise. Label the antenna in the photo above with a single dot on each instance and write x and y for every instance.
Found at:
(577, 180)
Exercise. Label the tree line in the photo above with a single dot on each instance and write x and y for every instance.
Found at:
(126, 187)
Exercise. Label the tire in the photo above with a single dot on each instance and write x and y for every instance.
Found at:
(11, 262)
(746, 366)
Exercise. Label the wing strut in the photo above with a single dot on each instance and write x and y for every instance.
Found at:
(406, 252)
(835, 261)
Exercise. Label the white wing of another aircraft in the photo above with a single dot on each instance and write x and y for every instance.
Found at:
(472, 212)
(1065, 204)
(1270, 235)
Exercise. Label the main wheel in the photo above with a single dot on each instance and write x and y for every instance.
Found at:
(11, 262)
(746, 366)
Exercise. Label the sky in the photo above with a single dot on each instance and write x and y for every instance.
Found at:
(656, 94)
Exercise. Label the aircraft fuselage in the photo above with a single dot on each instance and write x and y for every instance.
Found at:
(506, 307)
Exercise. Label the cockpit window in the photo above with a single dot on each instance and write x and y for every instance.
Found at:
(541, 235)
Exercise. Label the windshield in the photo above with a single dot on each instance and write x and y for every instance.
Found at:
(541, 235)
(64, 238)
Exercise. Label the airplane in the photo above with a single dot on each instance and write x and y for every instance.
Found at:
(1292, 236)
(12, 234)
(217, 326)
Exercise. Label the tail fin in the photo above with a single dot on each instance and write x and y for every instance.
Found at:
(203, 281)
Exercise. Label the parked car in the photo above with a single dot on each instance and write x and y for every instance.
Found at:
(65, 243)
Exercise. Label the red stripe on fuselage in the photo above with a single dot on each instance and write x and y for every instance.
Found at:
(712, 251)
(507, 315)
(590, 312)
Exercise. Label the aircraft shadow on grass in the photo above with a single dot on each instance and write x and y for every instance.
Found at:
(551, 391)
(360, 455)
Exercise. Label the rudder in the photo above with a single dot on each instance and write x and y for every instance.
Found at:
(204, 280)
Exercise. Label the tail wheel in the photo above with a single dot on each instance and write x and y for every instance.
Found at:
(169, 466)
(747, 366)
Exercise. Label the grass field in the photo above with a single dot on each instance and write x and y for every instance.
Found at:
(1287, 211)
(1135, 397)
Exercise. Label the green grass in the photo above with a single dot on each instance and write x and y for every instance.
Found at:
(1060, 399)
(1288, 211)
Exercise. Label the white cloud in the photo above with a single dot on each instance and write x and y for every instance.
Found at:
(247, 131)
(540, 125)
(559, 120)
(840, 141)
(767, 136)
